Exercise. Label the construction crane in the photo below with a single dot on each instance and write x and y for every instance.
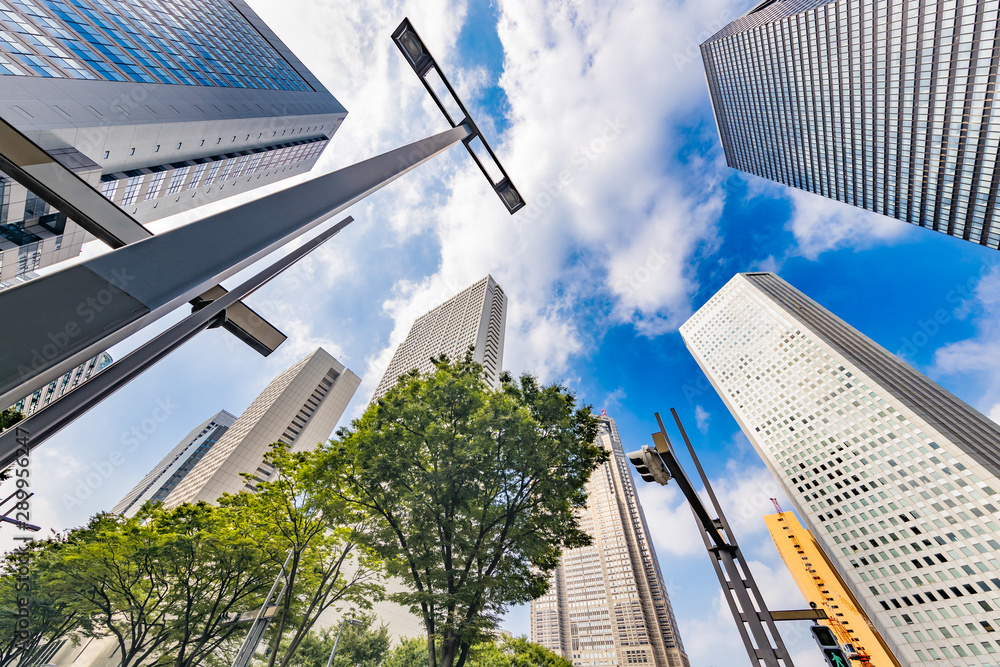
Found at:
(854, 651)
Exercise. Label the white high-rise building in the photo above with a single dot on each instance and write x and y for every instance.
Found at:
(300, 408)
(475, 316)
(606, 603)
(175, 466)
(896, 478)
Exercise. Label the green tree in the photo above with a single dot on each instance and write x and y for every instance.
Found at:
(295, 514)
(31, 614)
(162, 583)
(408, 653)
(214, 570)
(470, 493)
(502, 652)
(366, 646)
(515, 652)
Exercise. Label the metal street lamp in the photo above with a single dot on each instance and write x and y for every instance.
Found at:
(79, 311)
(353, 621)
(423, 63)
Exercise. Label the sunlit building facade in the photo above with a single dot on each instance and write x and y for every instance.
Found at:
(300, 408)
(476, 316)
(161, 105)
(607, 603)
(168, 473)
(897, 479)
(888, 106)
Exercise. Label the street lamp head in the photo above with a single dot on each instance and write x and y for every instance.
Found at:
(355, 622)
(426, 67)
(412, 46)
(509, 195)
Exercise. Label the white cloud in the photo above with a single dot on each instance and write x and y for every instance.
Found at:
(821, 224)
(703, 417)
(978, 358)
(592, 93)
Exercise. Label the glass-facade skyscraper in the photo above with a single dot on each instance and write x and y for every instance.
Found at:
(886, 105)
(162, 105)
(897, 479)
(607, 603)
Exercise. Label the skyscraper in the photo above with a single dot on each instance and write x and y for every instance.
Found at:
(300, 408)
(475, 316)
(160, 104)
(820, 584)
(896, 478)
(607, 604)
(55, 389)
(883, 105)
(168, 473)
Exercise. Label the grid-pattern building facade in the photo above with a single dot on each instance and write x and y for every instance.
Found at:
(476, 316)
(162, 105)
(896, 478)
(886, 105)
(168, 473)
(606, 603)
(300, 408)
(820, 584)
(55, 389)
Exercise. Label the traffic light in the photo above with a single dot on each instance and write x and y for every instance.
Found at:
(828, 643)
(649, 465)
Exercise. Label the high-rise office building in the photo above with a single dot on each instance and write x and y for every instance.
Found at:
(161, 105)
(896, 478)
(300, 408)
(168, 473)
(55, 389)
(883, 105)
(606, 603)
(821, 586)
(476, 316)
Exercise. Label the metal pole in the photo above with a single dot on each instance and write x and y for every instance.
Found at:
(736, 587)
(48, 421)
(764, 613)
(54, 323)
(336, 642)
(249, 646)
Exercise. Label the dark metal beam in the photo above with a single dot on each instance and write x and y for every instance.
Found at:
(60, 320)
(55, 416)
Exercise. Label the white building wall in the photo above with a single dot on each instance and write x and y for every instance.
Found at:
(892, 474)
(300, 407)
(476, 316)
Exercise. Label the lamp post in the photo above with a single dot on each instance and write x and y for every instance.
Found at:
(353, 621)
(76, 312)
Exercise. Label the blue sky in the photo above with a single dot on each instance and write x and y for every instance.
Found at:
(599, 111)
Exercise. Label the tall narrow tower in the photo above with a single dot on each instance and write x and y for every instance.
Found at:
(607, 604)
(888, 105)
(476, 316)
(896, 478)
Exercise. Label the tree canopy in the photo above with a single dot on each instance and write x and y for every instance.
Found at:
(470, 493)
(492, 652)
